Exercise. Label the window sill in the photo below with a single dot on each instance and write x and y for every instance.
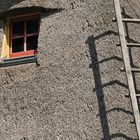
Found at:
(18, 61)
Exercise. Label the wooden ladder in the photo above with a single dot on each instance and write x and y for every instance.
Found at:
(129, 70)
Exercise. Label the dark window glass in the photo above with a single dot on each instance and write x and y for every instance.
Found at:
(32, 42)
(18, 29)
(32, 26)
(18, 45)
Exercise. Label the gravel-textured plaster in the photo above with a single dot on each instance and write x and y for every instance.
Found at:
(78, 91)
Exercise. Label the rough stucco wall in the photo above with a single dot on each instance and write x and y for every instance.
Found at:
(78, 91)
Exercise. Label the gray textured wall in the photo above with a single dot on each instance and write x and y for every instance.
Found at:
(78, 91)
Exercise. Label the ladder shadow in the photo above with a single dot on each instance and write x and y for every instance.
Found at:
(119, 135)
(119, 110)
(99, 86)
(113, 82)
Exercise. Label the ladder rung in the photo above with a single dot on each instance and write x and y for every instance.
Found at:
(135, 69)
(130, 20)
(130, 44)
(133, 44)
(138, 95)
(127, 20)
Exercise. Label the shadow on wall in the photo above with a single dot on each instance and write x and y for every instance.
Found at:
(5, 10)
(99, 87)
(25, 10)
(6, 4)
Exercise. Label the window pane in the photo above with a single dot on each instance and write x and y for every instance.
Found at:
(32, 26)
(18, 29)
(32, 42)
(18, 45)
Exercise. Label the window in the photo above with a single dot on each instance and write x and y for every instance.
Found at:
(23, 36)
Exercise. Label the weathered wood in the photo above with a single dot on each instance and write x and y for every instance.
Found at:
(126, 57)
(135, 69)
(133, 44)
(128, 20)
(138, 95)
(130, 44)
(131, 20)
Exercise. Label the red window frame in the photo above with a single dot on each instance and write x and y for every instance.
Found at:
(24, 19)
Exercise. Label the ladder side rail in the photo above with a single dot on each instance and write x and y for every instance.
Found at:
(129, 75)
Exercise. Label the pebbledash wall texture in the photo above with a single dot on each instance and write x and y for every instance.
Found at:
(78, 91)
